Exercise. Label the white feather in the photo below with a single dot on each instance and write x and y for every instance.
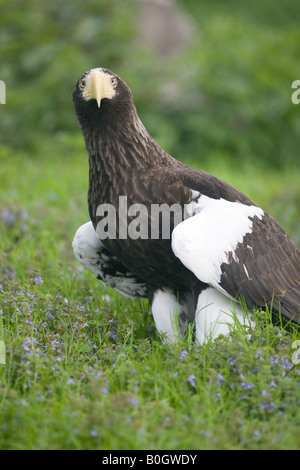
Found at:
(171, 316)
(202, 241)
(216, 315)
(88, 250)
(164, 309)
(86, 246)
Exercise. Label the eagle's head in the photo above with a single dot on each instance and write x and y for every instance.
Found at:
(103, 103)
(98, 87)
(108, 118)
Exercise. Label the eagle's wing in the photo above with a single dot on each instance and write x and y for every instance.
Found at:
(90, 252)
(243, 252)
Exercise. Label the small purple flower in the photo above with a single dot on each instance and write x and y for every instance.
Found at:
(71, 382)
(220, 379)
(98, 374)
(191, 380)
(7, 217)
(133, 401)
(50, 316)
(94, 433)
(247, 386)
(268, 406)
(38, 280)
(287, 365)
(183, 354)
(112, 334)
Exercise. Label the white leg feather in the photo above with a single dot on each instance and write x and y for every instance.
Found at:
(165, 314)
(216, 315)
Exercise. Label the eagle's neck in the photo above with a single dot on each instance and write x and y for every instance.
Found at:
(122, 144)
(119, 145)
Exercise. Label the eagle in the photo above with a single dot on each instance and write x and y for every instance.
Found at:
(221, 258)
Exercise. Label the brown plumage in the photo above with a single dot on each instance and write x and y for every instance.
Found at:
(262, 264)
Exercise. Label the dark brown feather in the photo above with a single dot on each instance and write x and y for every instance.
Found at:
(274, 275)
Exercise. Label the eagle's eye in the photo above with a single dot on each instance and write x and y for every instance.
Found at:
(82, 84)
(113, 81)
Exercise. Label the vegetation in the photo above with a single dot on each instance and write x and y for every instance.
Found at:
(85, 368)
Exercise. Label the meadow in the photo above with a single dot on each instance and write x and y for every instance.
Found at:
(86, 369)
(83, 367)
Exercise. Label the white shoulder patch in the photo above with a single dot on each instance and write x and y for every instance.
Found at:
(202, 241)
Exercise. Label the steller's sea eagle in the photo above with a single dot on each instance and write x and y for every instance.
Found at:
(223, 249)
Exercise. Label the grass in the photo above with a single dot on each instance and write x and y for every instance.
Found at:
(85, 368)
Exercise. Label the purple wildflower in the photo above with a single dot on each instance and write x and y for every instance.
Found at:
(112, 334)
(287, 365)
(191, 380)
(132, 401)
(50, 316)
(38, 280)
(7, 217)
(247, 386)
(183, 354)
(220, 379)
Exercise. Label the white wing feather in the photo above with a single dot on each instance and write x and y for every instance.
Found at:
(203, 241)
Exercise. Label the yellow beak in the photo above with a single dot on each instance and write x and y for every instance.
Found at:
(98, 86)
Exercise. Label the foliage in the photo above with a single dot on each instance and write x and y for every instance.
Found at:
(232, 97)
(46, 47)
(85, 368)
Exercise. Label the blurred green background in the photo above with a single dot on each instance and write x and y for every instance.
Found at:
(211, 80)
(212, 83)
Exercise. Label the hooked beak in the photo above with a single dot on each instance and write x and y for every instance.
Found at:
(98, 86)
